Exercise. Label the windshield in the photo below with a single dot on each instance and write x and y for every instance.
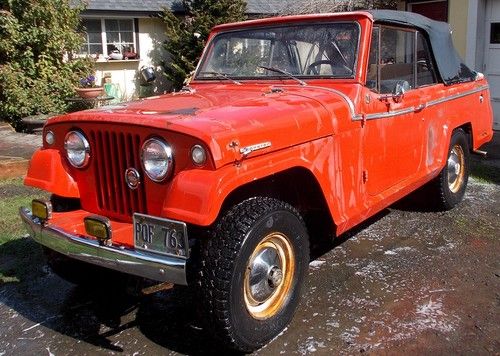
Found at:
(307, 50)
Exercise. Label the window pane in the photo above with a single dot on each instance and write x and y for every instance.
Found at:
(95, 49)
(396, 58)
(111, 25)
(127, 37)
(91, 25)
(112, 37)
(126, 25)
(94, 37)
(495, 33)
(306, 50)
(425, 69)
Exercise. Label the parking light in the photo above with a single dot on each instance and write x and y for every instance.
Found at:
(99, 227)
(41, 209)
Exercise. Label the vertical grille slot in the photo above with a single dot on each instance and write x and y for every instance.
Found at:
(114, 152)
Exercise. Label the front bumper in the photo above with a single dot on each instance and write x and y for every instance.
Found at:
(139, 263)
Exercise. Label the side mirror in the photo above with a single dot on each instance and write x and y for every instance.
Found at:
(399, 90)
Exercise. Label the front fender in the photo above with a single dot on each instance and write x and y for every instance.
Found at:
(196, 196)
(46, 171)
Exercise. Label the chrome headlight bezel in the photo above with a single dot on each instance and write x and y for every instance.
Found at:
(85, 147)
(167, 158)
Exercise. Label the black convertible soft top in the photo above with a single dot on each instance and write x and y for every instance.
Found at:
(450, 66)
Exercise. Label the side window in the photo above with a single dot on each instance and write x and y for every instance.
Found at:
(426, 74)
(373, 62)
(397, 57)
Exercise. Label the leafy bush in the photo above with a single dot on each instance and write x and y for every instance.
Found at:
(187, 33)
(37, 72)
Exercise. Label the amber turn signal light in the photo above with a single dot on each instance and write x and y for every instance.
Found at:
(41, 209)
(98, 226)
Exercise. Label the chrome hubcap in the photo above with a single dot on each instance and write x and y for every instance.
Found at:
(268, 276)
(265, 274)
(455, 168)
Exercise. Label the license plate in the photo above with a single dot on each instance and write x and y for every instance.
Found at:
(160, 235)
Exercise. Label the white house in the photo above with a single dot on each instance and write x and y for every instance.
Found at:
(127, 27)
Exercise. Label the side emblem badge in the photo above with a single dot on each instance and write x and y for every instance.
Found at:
(133, 178)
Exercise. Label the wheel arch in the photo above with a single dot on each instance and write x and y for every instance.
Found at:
(467, 128)
(296, 186)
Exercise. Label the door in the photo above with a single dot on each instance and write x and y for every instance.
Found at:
(392, 134)
(492, 58)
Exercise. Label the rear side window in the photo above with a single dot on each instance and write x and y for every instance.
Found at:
(425, 67)
(399, 55)
(396, 58)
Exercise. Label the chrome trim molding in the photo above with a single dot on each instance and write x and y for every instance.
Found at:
(457, 96)
(348, 100)
(139, 263)
(383, 115)
(390, 113)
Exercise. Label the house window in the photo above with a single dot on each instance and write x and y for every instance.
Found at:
(433, 9)
(495, 33)
(107, 36)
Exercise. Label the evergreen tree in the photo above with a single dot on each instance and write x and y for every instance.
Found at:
(187, 33)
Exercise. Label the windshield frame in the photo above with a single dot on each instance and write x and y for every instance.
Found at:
(210, 43)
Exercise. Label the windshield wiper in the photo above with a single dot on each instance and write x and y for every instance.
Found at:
(222, 75)
(289, 75)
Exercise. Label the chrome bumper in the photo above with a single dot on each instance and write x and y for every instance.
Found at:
(139, 263)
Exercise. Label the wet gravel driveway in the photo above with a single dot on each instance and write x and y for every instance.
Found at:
(406, 281)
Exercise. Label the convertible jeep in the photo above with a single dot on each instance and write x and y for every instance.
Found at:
(292, 131)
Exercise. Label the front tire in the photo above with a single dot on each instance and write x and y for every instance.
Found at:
(252, 272)
(449, 186)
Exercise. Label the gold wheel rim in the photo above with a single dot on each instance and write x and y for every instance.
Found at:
(456, 168)
(269, 276)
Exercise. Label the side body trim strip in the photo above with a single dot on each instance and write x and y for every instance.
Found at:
(383, 115)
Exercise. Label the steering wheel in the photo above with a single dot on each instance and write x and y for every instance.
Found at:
(313, 68)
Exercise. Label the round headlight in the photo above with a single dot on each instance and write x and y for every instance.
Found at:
(77, 149)
(157, 159)
(198, 155)
(50, 138)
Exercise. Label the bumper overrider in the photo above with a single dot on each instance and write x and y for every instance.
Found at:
(139, 263)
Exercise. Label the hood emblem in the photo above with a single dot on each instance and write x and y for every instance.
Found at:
(133, 178)
(245, 151)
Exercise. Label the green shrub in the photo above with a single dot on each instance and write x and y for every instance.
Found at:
(37, 73)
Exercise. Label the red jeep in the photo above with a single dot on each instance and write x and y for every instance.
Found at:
(292, 130)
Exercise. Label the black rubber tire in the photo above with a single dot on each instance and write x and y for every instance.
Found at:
(445, 198)
(82, 273)
(224, 259)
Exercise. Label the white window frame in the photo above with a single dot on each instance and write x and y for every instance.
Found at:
(104, 42)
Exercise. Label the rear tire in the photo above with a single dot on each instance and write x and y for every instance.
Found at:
(252, 271)
(449, 186)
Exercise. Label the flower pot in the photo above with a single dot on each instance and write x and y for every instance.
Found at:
(89, 93)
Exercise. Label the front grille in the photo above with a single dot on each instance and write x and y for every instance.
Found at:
(114, 152)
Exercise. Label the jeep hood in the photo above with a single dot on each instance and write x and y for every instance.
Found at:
(229, 118)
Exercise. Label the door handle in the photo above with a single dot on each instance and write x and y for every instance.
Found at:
(420, 107)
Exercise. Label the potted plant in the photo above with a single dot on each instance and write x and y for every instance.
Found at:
(88, 88)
